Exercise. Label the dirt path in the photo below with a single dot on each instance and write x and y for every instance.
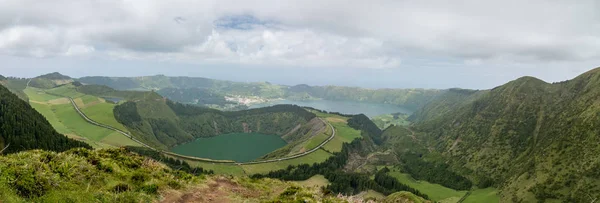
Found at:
(217, 190)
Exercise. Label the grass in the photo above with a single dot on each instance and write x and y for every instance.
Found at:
(118, 139)
(66, 90)
(36, 94)
(373, 195)
(316, 141)
(435, 192)
(315, 157)
(343, 134)
(315, 181)
(103, 113)
(64, 118)
(385, 120)
(483, 195)
(46, 111)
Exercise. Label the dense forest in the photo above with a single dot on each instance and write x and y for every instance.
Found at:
(366, 127)
(439, 173)
(23, 128)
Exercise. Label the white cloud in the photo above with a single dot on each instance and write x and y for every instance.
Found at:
(336, 33)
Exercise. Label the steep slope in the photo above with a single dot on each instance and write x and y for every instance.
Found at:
(16, 86)
(532, 139)
(164, 123)
(23, 128)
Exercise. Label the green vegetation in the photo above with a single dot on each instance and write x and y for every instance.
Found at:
(193, 90)
(366, 127)
(404, 197)
(318, 156)
(537, 140)
(386, 120)
(116, 175)
(23, 128)
(165, 124)
(315, 181)
(435, 191)
(483, 195)
(63, 117)
(16, 86)
(341, 182)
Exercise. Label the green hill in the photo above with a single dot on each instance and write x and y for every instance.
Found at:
(163, 123)
(50, 80)
(23, 128)
(532, 139)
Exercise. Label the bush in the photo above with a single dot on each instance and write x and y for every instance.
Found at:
(121, 187)
(150, 189)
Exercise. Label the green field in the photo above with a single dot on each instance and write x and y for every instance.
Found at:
(315, 157)
(385, 120)
(343, 134)
(65, 119)
(435, 192)
(103, 113)
(483, 195)
(36, 94)
(315, 181)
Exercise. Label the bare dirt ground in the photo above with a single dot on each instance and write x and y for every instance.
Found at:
(217, 190)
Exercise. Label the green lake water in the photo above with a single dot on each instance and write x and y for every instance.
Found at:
(240, 147)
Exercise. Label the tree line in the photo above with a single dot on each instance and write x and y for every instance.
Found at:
(366, 127)
(23, 128)
(348, 183)
(433, 172)
(175, 164)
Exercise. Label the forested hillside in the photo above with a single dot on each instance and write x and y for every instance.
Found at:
(164, 123)
(23, 128)
(534, 140)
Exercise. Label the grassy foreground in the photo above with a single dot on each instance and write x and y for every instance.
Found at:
(115, 175)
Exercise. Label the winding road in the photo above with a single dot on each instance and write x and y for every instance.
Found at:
(197, 158)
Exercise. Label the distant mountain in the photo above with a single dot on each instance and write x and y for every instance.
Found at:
(534, 140)
(23, 128)
(54, 76)
(2, 77)
(408, 98)
(50, 80)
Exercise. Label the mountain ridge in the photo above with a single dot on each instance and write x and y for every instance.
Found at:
(521, 133)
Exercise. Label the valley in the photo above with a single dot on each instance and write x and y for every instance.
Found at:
(385, 148)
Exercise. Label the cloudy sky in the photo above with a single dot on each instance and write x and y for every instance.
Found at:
(398, 43)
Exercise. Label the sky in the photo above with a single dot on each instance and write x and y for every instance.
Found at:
(477, 44)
